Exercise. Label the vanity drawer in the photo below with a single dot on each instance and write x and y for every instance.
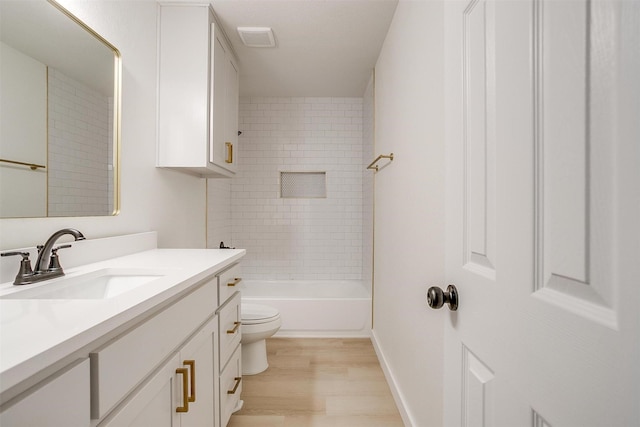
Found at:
(230, 328)
(228, 282)
(122, 364)
(60, 400)
(230, 386)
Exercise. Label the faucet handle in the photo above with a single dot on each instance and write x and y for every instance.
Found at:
(25, 255)
(25, 270)
(54, 262)
(55, 250)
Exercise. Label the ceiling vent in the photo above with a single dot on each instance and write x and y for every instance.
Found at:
(257, 36)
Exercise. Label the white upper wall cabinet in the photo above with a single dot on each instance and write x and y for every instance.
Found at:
(198, 93)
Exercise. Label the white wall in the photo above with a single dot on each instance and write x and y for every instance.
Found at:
(409, 203)
(219, 212)
(23, 130)
(152, 199)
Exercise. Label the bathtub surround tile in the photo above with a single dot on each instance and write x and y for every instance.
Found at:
(318, 382)
(304, 238)
(301, 239)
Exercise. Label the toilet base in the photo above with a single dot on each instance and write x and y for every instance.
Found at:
(254, 357)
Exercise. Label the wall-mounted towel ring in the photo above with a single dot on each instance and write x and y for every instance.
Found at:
(373, 164)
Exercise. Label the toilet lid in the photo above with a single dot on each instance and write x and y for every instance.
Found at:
(256, 313)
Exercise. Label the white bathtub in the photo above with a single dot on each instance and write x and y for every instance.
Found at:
(331, 308)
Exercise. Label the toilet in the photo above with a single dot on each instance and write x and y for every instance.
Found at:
(258, 323)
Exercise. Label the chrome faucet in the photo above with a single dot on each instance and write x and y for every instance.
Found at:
(47, 264)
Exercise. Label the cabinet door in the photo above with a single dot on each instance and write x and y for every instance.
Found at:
(60, 401)
(232, 92)
(198, 355)
(183, 81)
(146, 347)
(219, 152)
(155, 403)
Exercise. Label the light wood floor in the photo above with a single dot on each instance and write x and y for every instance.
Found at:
(318, 382)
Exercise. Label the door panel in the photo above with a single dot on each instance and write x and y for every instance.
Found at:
(574, 158)
(477, 391)
(479, 138)
(538, 242)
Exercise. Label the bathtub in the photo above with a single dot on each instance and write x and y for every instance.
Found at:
(331, 308)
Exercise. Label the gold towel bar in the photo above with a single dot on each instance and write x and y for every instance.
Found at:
(33, 166)
(381, 156)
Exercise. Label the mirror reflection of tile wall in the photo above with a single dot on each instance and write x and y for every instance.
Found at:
(80, 131)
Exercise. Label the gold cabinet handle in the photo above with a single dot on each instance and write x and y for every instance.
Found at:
(229, 147)
(236, 325)
(191, 364)
(185, 390)
(235, 387)
(235, 281)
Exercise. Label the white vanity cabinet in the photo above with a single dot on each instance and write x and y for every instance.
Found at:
(122, 365)
(60, 400)
(128, 358)
(146, 377)
(198, 93)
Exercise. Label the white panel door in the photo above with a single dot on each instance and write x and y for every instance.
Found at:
(543, 209)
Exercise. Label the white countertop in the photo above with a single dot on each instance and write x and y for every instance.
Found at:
(35, 333)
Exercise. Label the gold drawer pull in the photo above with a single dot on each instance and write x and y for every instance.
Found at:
(235, 281)
(185, 390)
(236, 325)
(229, 147)
(192, 365)
(235, 387)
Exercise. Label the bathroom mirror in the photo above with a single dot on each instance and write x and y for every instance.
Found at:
(59, 114)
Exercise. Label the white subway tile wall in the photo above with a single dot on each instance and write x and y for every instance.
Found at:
(79, 149)
(299, 239)
(304, 238)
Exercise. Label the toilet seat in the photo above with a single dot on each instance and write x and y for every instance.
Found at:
(255, 314)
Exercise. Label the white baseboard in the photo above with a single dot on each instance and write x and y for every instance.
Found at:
(395, 391)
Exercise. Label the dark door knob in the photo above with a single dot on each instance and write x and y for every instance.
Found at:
(436, 297)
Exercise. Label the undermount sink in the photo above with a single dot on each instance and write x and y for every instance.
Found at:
(99, 284)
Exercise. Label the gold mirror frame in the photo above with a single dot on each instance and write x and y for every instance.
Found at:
(114, 139)
(117, 102)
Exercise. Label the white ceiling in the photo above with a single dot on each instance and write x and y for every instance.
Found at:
(323, 47)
